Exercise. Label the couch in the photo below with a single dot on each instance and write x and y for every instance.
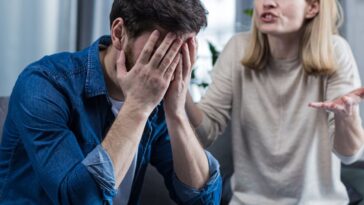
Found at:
(154, 191)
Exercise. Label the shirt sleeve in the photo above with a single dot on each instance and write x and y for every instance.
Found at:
(214, 184)
(99, 164)
(42, 115)
(350, 159)
(162, 159)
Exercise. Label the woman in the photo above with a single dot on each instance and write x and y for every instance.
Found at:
(284, 151)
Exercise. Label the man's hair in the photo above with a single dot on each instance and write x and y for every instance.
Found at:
(178, 16)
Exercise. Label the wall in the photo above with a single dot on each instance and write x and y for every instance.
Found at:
(30, 30)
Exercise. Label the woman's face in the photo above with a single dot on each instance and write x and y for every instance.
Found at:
(277, 17)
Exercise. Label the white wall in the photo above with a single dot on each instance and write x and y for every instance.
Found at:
(30, 30)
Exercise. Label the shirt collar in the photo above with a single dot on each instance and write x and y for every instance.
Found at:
(95, 82)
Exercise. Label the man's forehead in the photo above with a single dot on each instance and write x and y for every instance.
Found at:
(162, 34)
(182, 36)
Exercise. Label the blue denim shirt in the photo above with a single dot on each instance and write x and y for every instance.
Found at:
(58, 113)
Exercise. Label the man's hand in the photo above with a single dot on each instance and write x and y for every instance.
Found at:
(342, 106)
(147, 82)
(175, 98)
(189, 159)
(143, 87)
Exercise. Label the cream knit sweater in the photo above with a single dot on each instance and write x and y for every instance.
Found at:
(282, 149)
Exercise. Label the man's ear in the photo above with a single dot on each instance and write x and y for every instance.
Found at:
(313, 8)
(118, 33)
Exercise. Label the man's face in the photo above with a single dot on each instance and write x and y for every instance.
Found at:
(135, 46)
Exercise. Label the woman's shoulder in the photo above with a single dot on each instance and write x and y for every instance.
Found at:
(241, 38)
(342, 50)
(237, 44)
(340, 43)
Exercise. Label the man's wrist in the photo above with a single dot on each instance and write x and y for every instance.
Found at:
(135, 111)
(177, 115)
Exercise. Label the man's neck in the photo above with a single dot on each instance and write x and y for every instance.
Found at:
(107, 59)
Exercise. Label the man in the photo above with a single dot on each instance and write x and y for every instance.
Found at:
(83, 126)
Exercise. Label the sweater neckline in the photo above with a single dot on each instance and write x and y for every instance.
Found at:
(287, 64)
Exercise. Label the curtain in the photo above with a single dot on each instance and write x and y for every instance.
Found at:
(30, 30)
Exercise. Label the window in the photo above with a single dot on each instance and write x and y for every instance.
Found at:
(221, 26)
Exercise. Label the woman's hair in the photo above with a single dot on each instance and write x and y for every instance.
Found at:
(316, 46)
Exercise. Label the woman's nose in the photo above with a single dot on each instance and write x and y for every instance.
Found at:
(268, 4)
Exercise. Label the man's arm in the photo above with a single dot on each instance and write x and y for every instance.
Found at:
(52, 147)
(143, 87)
(180, 192)
(189, 159)
(41, 114)
(197, 179)
(122, 140)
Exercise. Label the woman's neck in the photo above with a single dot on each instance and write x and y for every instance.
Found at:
(284, 47)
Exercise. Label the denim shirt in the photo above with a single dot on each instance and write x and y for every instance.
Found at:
(58, 113)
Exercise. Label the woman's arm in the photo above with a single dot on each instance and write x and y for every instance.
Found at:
(194, 113)
(349, 133)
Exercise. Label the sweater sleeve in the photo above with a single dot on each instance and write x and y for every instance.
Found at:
(344, 80)
(216, 104)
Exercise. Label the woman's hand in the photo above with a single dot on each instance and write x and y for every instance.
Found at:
(342, 106)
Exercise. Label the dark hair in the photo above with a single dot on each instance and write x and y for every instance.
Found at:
(178, 16)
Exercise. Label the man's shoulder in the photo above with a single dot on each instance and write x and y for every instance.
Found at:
(59, 65)
(62, 72)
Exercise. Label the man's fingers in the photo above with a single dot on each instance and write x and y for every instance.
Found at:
(149, 47)
(179, 69)
(186, 61)
(170, 71)
(171, 54)
(178, 76)
(161, 51)
(192, 46)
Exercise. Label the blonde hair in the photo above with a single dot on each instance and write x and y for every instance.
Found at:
(316, 49)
